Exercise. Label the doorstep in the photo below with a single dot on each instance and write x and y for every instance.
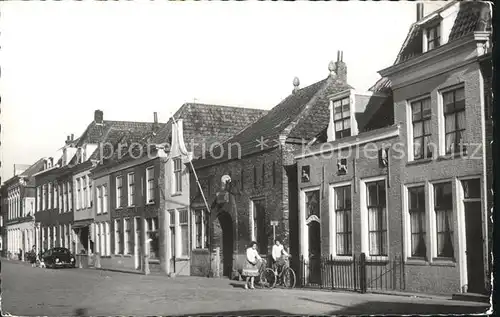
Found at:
(120, 270)
(471, 297)
(411, 294)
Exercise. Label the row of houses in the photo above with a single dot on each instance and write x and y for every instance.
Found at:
(402, 170)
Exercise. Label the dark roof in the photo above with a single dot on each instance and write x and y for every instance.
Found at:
(472, 16)
(203, 124)
(303, 114)
(382, 85)
(28, 173)
(96, 133)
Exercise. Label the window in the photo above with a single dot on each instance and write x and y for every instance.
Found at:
(44, 197)
(416, 205)
(259, 224)
(183, 223)
(91, 193)
(150, 176)
(39, 198)
(178, 175)
(49, 194)
(172, 233)
(56, 196)
(104, 199)
(84, 192)
(108, 239)
(99, 199)
(65, 198)
(443, 207)
(129, 240)
(342, 118)
(377, 222)
(152, 235)
(119, 191)
(131, 189)
(60, 197)
(70, 196)
(201, 230)
(454, 116)
(98, 238)
(343, 220)
(78, 194)
(421, 124)
(118, 241)
(433, 37)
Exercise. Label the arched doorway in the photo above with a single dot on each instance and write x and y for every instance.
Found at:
(226, 224)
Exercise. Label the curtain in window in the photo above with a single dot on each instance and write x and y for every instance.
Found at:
(444, 233)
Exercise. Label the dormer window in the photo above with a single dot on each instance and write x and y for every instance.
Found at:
(433, 37)
(342, 118)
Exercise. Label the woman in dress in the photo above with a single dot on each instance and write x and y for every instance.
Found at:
(253, 262)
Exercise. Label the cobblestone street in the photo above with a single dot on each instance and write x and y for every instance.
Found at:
(35, 291)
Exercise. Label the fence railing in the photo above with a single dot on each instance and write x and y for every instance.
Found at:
(356, 273)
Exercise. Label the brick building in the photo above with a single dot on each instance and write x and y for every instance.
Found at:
(183, 234)
(18, 205)
(439, 101)
(260, 163)
(348, 187)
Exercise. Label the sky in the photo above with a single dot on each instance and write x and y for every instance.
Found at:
(60, 61)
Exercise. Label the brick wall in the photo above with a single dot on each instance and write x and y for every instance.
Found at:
(266, 187)
(423, 276)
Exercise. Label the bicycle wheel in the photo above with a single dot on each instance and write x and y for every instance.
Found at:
(289, 278)
(267, 278)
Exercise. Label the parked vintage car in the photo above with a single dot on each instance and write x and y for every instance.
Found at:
(58, 257)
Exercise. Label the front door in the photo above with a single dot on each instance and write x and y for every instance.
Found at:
(314, 253)
(474, 244)
(474, 236)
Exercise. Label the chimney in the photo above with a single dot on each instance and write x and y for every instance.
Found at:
(72, 137)
(155, 122)
(340, 67)
(68, 139)
(296, 84)
(420, 11)
(98, 117)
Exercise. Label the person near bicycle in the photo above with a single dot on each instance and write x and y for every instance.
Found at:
(278, 254)
(252, 265)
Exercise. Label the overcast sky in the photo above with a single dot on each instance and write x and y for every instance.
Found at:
(60, 61)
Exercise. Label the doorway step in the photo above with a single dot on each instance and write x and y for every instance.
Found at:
(471, 297)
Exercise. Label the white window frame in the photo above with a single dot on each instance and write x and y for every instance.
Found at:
(84, 192)
(99, 200)
(365, 241)
(126, 240)
(333, 219)
(39, 196)
(251, 221)
(117, 236)
(90, 192)
(70, 196)
(44, 196)
(183, 225)
(407, 221)
(119, 189)
(149, 199)
(204, 232)
(409, 126)
(441, 117)
(78, 194)
(49, 195)
(177, 175)
(105, 199)
(432, 220)
(108, 237)
(130, 188)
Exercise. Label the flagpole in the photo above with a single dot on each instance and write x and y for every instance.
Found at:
(204, 200)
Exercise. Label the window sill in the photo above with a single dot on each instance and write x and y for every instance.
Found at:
(150, 203)
(182, 258)
(176, 194)
(377, 258)
(443, 262)
(154, 261)
(416, 261)
(447, 157)
(341, 258)
(200, 250)
(419, 161)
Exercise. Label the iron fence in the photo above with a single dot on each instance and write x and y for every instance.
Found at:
(356, 273)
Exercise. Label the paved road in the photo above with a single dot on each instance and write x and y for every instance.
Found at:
(33, 291)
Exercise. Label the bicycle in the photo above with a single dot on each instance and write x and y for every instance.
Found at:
(266, 278)
(286, 277)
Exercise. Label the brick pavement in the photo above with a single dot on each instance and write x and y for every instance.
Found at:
(35, 291)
